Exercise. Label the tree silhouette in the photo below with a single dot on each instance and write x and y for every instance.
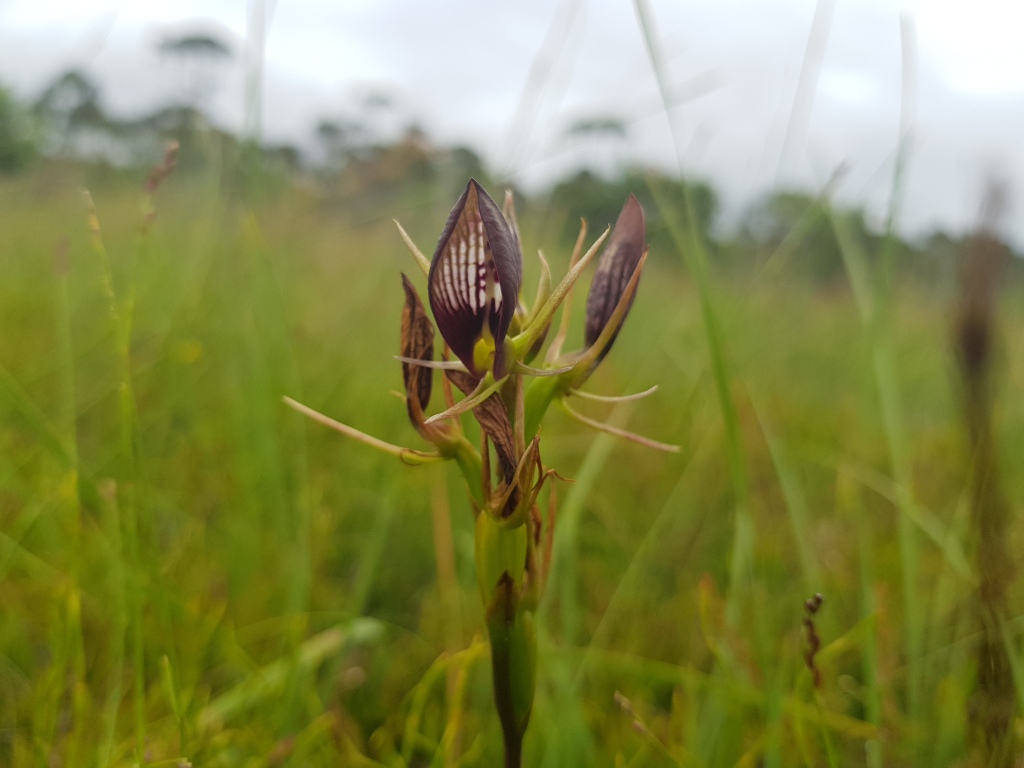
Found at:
(798, 228)
(599, 199)
(198, 54)
(17, 142)
(599, 126)
(72, 117)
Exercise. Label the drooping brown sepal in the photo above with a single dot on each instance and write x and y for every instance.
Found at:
(493, 418)
(417, 343)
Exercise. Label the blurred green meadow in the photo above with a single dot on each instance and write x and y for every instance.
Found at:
(193, 573)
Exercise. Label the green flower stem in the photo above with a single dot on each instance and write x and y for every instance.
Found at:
(500, 564)
(468, 459)
(539, 396)
(513, 663)
(500, 554)
(513, 637)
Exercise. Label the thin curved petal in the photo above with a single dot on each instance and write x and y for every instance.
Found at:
(614, 270)
(474, 278)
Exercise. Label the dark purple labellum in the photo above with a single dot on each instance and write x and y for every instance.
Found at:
(614, 270)
(474, 278)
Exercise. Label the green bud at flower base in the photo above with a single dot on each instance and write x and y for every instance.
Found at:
(514, 665)
(500, 570)
(500, 553)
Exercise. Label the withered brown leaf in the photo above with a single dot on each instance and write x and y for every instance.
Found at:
(494, 420)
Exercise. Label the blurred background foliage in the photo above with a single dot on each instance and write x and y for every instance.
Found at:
(191, 572)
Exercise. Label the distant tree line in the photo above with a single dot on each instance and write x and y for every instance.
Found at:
(18, 142)
(362, 167)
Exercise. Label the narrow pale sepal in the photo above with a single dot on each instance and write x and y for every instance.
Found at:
(423, 261)
(525, 340)
(555, 349)
(407, 455)
(484, 389)
(543, 291)
(543, 288)
(527, 370)
(617, 432)
(614, 398)
(437, 365)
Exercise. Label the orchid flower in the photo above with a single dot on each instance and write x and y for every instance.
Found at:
(473, 288)
(474, 282)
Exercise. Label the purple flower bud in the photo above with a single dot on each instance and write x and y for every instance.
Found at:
(614, 270)
(474, 281)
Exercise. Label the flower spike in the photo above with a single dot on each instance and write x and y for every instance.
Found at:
(474, 282)
(490, 341)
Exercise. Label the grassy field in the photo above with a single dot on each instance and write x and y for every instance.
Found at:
(190, 571)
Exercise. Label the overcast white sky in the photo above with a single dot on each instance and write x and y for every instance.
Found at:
(510, 78)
